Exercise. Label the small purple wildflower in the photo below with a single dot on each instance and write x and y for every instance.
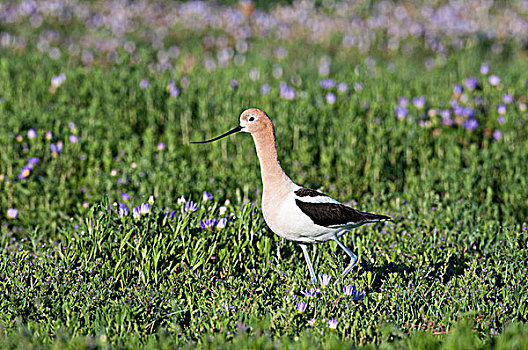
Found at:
(143, 84)
(312, 292)
(207, 196)
(221, 223)
(233, 84)
(324, 280)
(12, 213)
(330, 98)
(470, 124)
(58, 80)
(312, 322)
(403, 101)
(497, 135)
(342, 88)
(73, 138)
(419, 102)
(484, 69)
(286, 92)
(332, 323)
(33, 161)
(125, 196)
(327, 83)
(136, 212)
(494, 80)
(501, 120)
(458, 89)
(56, 148)
(265, 89)
(355, 294)
(145, 208)
(301, 307)
(25, 172)
(401, 112)
(161, 146)
(31, 134)
(471, 83)
(507, 98)
(190, 206)
(208, 224)
(123, 210)
(358, 86)
(501, 109)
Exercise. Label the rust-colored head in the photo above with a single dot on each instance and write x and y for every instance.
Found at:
(253, 121)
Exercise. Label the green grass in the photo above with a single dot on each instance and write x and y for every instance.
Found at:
(449, 273)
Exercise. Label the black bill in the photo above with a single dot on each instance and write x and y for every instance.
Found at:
(232, 131)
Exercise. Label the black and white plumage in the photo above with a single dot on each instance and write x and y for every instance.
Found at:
(326, 211)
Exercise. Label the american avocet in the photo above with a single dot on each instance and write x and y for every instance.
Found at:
(293, 212)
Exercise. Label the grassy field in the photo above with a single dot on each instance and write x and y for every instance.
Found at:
(432, 134)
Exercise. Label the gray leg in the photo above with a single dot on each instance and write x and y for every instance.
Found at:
(309, 262)
(353, 257)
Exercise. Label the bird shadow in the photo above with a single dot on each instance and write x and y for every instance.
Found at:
(441, 272)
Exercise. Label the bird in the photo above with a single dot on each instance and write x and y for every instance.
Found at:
(302, 215)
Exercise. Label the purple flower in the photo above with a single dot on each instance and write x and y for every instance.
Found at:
(312, 292)
(484, 69)
(301, 307)
(161, 146)
(471, 83)
(327, 83)
(470, 124)
(233, 84)
(497, 135)
(342, 88)
(501, 120)
(401, 112)
(33, 161)
(458, 89)
(312, 322)
(501, 109)
(125, 196)
(56, 148)
(419, 102)
(332, 323)
(494, 80)
(358, 86)
(403, 101)
(144, 83)
(324, 280)
(286, 92)
(25, 172)
(73, 138)
(190, 206)
(355, 294)
(221, 223)
(58, 80)
(145, 208)
(265, 89)
(31, 134)
(123, 210)
(507, 98)
(173, 89)
(12, 213)
(208, 224)
(136, 212)
(330, 98)
(207, 196)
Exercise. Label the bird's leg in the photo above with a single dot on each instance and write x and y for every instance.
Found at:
(353, 257)
(309, 262)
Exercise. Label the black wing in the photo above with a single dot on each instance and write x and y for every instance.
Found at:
(332, 214)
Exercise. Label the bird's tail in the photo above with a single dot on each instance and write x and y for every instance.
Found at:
(376, 217)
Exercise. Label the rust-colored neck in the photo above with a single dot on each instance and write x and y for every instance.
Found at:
(272, 174)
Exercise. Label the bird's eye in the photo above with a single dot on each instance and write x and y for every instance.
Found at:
(251, 119)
